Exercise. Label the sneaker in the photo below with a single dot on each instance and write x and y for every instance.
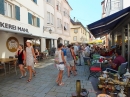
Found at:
(25, 74)
(20, 77)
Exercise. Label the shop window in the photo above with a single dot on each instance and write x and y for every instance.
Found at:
(75, 38)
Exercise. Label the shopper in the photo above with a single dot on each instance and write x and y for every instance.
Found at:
(60, 63)
(70, 57)
(30, 58)
(21, 60)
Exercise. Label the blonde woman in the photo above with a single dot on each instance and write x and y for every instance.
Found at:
(30, 58)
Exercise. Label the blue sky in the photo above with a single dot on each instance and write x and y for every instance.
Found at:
(86, 11)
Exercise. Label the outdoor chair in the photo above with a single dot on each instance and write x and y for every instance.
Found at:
(94, 71)
(13, 64)
(93, 65)
(121, 70)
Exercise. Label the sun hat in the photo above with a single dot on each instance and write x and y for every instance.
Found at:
(29, 41)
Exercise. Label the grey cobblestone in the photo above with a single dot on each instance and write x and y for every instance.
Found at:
(43, 85)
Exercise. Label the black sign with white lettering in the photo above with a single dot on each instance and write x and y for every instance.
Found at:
(13, 27)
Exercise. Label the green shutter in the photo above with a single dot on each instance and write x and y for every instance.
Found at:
(29, 18)
(2, 7)
(38, 22)
(17, 12)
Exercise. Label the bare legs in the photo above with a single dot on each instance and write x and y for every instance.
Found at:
(30, 73)
(73, 69)
(68, 70)
(22, 70)
(59, 78)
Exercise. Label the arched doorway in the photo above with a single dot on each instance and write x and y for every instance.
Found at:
(60, 40)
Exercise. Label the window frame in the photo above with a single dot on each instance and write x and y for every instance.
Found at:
(34, 20)
(76, 31)
(48, 17)
(74, 38)
(113, 3)
(7, 9)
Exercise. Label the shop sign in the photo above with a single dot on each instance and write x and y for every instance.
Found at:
(12, 44)
(13, 27)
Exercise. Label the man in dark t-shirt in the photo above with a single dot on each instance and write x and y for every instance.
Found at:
(117, 61)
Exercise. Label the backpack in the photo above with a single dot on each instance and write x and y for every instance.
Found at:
(56, 59)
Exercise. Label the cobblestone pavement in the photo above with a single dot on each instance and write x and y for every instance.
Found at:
(43, 84)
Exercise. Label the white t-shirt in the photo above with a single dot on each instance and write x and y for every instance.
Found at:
(87, 49)
(76, 50)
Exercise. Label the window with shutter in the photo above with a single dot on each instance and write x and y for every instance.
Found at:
(2, 7)
(17, 12)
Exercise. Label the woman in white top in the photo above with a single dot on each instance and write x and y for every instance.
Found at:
(60, 62)
(30, 58)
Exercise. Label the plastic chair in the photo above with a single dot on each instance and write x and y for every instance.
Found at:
(94, 67)
(121, 70)
(94, 71)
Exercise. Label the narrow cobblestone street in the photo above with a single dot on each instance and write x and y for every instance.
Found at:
(43, 85)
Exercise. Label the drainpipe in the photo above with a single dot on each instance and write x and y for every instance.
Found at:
(128, 44)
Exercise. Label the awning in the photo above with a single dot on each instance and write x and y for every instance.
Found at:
(96, 41)
(108, 23)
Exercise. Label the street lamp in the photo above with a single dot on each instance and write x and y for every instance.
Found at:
(44, 28)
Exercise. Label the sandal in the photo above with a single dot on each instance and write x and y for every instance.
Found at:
(28, 80)
(20, 77)
(61, 84)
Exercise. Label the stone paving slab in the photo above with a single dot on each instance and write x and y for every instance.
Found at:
(43, 84)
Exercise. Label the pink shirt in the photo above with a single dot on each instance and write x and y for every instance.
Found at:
(118, 61)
